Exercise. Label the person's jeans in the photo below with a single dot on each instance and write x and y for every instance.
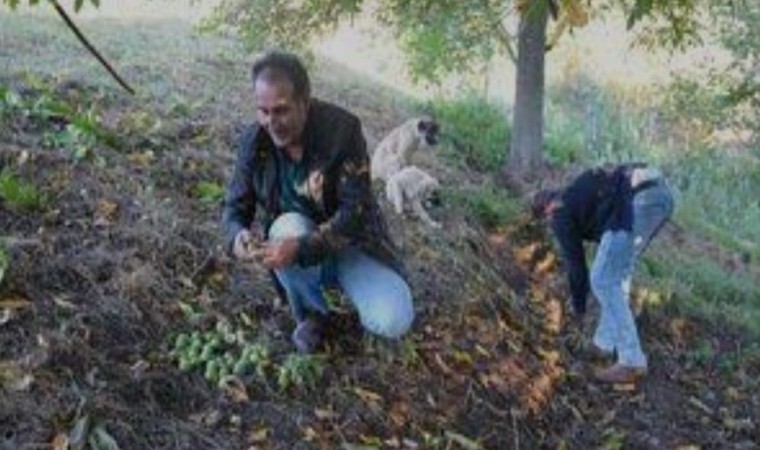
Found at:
(381, 296)
(612, 270)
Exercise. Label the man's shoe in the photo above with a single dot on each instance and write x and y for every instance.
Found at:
(307, 337)
(620, 374)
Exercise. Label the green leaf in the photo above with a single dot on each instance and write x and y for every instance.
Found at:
(209, 192)
(101, 440)
(641, 9)
(463, 441)
(78, 5)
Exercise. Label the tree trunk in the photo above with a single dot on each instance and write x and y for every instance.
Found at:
(528, 121)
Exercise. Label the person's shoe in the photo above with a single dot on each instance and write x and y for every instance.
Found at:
(307, 337)
(620, 374)
(594, 353)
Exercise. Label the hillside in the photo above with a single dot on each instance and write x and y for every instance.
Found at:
(111, 224)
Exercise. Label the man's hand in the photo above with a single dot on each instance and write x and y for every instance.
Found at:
(280, 254)
(247, 245)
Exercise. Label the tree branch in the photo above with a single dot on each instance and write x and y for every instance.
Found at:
(72, 26)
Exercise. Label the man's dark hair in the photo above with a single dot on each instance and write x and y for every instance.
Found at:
(541, 199)
(277, 65)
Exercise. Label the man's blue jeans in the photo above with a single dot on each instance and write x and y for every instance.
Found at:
(380, 295)
(612, 270)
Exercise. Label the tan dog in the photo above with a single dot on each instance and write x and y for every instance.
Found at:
(395, 151)
(412, 186)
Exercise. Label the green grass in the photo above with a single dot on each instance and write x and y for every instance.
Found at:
(19, 194)
(163, 60)
(488, 206)
(480, 129)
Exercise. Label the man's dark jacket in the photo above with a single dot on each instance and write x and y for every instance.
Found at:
(597, 201)
(338, 182)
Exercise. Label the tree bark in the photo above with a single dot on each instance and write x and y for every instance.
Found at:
(526, 147)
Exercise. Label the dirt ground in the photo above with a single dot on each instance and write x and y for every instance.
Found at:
(98, 276)
(102, 276)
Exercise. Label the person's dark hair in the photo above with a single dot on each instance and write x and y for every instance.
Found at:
(541, 199)
(277, 65)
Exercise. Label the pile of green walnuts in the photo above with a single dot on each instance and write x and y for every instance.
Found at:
(220, 353)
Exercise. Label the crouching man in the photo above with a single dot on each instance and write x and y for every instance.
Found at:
(622, 208)
(303, 167)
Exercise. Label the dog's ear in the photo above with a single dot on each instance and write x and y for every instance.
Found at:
(428, 129)
(422, 125)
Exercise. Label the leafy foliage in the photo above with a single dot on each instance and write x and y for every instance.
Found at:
(287, 24)
(440, 37)
(666, 22)
(300, 371)
(739, 87)
(18, 193)
(78, 4)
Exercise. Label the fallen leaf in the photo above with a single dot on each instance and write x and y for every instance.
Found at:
(325, 414)
(13, 377)
(258, 435)
(624, 387)
(442, 365)
(105, 212)
(60, 442)
(461, 357)
(236, 389)
(462, 440)
(15, 303)
(78, 434)
(348, 446)
(482, 351)
(309, 434)
(5, 316)
(101, 440)
(410, 444)
(701, 406)
(367, 395)
(143, 159)
(373, 441)
(62, 302)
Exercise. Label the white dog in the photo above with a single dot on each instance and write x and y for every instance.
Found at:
(412, 186)
(395, 151)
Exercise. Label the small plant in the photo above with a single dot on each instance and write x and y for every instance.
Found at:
(301, 371)
(10, 102)
(703, 354)
(18, 193)
(410, 354)
(209, 192)
(74, 138)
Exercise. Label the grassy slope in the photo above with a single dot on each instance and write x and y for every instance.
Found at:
(485, 361)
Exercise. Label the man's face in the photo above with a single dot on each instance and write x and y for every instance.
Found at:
(279, 112)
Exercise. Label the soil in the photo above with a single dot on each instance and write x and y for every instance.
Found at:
(99, 275)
